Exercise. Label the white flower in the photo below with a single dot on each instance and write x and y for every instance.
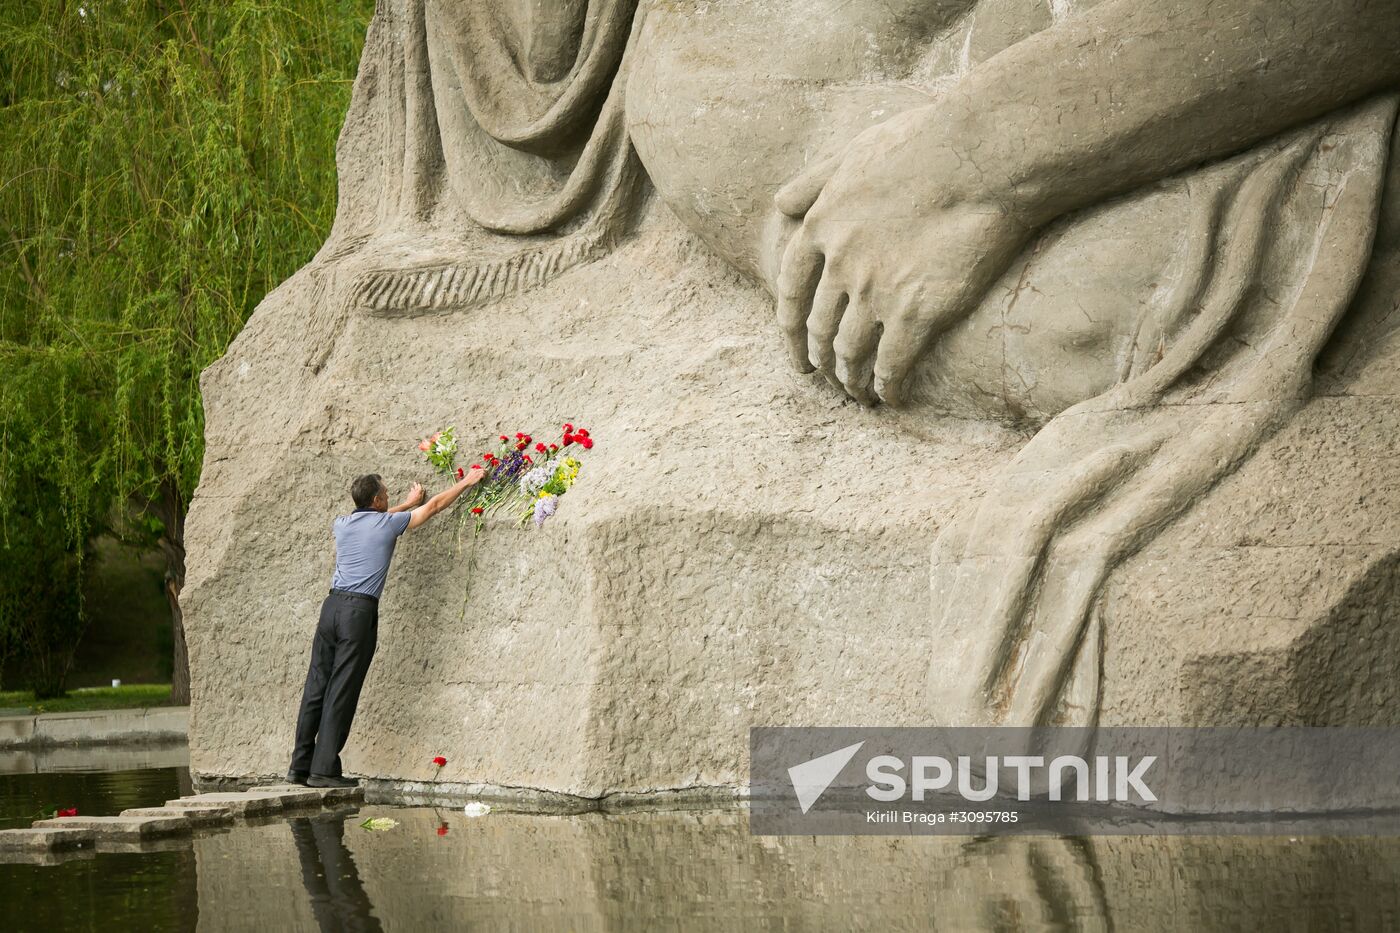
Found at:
(379, 824)
(534, 481)
(476, 809)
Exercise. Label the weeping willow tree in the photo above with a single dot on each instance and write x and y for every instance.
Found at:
(163, 165)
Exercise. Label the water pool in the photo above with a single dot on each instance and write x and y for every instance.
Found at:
(678, 870)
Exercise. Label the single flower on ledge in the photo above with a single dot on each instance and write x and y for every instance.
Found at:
(70, 811)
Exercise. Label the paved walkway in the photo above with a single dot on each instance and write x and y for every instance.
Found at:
(156, 724)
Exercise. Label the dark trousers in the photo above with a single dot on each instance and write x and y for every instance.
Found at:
(340, 656)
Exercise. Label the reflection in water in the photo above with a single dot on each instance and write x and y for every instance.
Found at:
(703, 870)
(91, 792)
(332, 882)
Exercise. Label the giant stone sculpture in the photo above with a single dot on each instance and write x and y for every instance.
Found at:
(1092, 302)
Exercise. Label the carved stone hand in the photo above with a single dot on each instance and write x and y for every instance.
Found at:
(899, 239)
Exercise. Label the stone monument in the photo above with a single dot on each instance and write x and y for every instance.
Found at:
(952, 361)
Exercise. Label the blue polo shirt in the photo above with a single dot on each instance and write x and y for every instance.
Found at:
(364, 545)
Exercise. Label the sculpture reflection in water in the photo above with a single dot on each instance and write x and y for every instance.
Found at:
(331, 878)
(704, 870)
(1183, 199)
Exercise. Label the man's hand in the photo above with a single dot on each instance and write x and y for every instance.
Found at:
(414, 497)
(445, 498)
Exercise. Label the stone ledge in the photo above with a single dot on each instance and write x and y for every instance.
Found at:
(121, 828)
(251, 803)
(154, 724)
(327, 795)
(198, 817)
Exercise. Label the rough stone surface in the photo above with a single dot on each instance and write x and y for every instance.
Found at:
(121, 828)
(1143, 465)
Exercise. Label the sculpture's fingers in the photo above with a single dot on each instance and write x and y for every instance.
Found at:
(797, 196)
(797, 281)
(901, 345)
(827, 307)
(856, 343)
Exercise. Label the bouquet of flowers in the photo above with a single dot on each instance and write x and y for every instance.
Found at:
(523, 476)
(440, 449)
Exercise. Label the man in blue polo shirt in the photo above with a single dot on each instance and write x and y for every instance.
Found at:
(349, 625)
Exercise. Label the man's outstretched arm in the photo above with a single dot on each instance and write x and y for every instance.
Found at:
(445, 498)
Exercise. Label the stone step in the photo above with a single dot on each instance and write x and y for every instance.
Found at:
(329, 795)
(177, 818)
(252, 802)
(199, 817)
(121, 828)
(46, 838)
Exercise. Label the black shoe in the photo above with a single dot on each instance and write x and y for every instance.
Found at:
(321, 780)
(297, 777)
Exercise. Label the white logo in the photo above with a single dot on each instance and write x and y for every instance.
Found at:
(811, 778)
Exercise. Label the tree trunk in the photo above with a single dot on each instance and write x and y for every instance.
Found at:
(170, 509)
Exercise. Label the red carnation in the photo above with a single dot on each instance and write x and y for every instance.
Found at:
(503, 437)
(442, 830)
(460, 473)
(568, 429)
(477, 510)
(587, 443)
(476, 466)
(440, 761)
(582, 432)
(568, 439)
(553, 446)
(541, 448)
(527, 459)
(70, 811)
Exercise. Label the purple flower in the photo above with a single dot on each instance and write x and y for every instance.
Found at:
(544, 508)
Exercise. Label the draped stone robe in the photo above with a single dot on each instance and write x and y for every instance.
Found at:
(491, 143)
(497, 147)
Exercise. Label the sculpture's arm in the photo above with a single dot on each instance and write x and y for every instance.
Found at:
(904, 233)
(1135, 90)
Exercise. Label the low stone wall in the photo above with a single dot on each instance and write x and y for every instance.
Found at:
(159, 724)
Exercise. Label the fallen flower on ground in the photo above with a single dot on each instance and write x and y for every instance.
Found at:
(379, 823)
